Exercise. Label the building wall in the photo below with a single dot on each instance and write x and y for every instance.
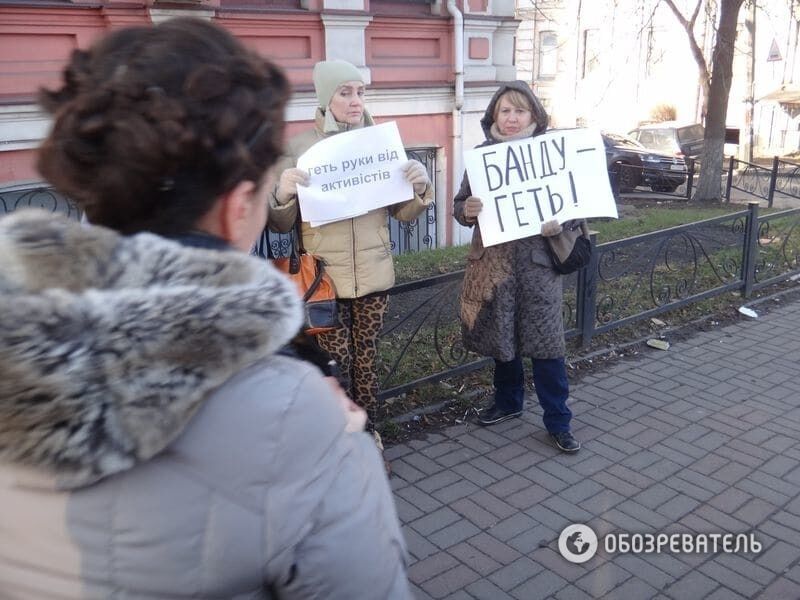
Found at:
(613, 61)
(405, 49)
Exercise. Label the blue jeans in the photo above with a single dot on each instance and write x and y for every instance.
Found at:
(552, 389)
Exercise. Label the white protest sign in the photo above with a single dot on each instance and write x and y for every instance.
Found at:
(558, 175)
(352, 173)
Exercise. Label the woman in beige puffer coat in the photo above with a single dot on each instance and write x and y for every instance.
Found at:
(357, 251)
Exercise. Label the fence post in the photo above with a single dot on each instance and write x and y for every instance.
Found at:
(750, 253)
(730, 180)
(773, 180)
(587, 295)
(689, 178)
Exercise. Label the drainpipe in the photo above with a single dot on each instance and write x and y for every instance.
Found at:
(458, 125)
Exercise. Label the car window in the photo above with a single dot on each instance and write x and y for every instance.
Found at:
(645, 138)
(693, 132)
(662, 140)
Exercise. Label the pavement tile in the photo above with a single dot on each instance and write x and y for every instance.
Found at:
(477, 514)
(456, 457)
(755, 511)
(450, 581)
(725, 576)
(515, 573)
(491, 546)
(418, 546)
(779, 557)
(437, 450)
(473, 474)
(400, 468)
(453, 534)
(423, 501)
(493, 504)
(528, 497)
(540, 587)
(454, 492)
(475, 559)
(435, 521)
(581, 491)
(431, 566)
(655, 495)
(533, 539)
(601, 580)
(508, 486)
(486, 590)
(438, 481)
(571, 592)
(781, 590)
(512, 526)
(692, 585)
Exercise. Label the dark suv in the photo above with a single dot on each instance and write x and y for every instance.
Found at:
(630, 164)
(671, 138)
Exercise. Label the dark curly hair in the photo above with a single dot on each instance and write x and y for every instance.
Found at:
(153, 124)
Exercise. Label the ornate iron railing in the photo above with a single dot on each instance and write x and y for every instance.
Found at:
(627, 281)
(38, 196)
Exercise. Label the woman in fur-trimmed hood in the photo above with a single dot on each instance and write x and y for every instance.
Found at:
(512, 297)
(157, 439)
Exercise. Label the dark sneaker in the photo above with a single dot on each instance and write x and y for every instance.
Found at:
(492, 415)
(565, 441)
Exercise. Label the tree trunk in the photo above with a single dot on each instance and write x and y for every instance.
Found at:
(710, 182)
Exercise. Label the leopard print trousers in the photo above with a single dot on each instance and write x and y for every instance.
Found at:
(354, 346)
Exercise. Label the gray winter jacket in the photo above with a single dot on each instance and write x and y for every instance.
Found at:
(512, 297)
(153, 445)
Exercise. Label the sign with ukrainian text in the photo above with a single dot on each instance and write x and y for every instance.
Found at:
(352, 173)
(558, 175)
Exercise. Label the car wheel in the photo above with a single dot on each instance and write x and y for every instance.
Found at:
(628, 177)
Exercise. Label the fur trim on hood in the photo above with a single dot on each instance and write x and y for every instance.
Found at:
(109, 344)
(539, 113)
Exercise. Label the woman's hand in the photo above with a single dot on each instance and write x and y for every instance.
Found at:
(287, 184)
(551, 228)
(417, 176)
(472, 208)
(355, 415)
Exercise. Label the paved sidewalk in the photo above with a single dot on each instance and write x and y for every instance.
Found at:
(704, 437)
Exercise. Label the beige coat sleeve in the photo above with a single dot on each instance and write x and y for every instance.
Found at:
(281, 217)
(410, 210)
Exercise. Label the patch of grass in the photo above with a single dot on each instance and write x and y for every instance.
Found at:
(649, 219)
(419, 265)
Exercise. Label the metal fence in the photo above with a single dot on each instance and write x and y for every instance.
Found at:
(783, 177)
(627, 281)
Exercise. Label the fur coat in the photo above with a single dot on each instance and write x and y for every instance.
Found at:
(152, 442)
(512, 297)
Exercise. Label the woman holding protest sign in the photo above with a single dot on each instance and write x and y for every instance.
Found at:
(512, 296)
(357, 250)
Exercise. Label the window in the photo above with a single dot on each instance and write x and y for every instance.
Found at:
(548, 44)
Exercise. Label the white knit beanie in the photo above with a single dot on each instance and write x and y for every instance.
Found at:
(329, 75)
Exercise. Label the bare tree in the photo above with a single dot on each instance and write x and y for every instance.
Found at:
(719, 89)
(703, 74)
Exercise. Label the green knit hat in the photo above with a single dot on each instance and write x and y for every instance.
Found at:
(330, 74)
